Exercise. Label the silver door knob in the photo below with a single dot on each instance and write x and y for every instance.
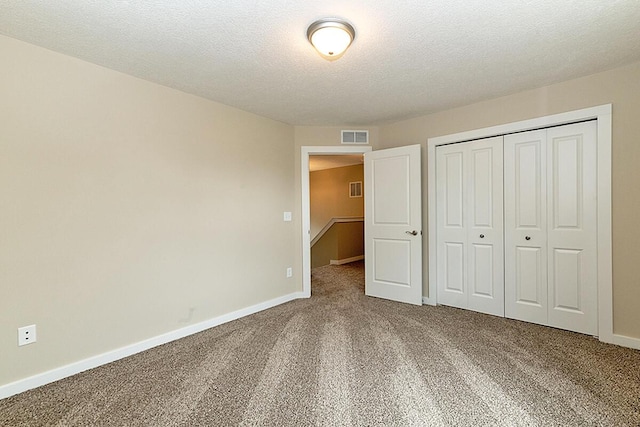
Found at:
(413, 233)
(482, 236)
(527, 238)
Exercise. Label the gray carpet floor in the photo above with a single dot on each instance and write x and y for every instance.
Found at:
(341, 359)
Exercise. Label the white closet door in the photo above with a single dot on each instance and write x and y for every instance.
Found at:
(485, 227)
(470, 225)
(525, 195)
(451, 177)
(572, 256)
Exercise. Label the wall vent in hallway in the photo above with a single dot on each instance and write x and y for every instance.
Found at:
(355, 189)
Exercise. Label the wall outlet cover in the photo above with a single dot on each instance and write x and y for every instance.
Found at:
(27, 335)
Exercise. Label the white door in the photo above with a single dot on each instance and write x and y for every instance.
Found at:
(451, 239)
(525, 207)
(550, 227)
(469, 217)
(485, 227)
(572, 242)
(393, 224)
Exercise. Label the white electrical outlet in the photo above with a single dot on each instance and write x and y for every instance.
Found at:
(287, 216)
(27, 335)
(289, 272)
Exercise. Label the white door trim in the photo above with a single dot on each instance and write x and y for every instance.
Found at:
(602, 114)
(307, 151)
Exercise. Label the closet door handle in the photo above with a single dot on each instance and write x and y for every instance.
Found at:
(482, 236)
(527, 238)
(413, 233)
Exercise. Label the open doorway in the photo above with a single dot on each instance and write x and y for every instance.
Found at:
(331, 156)
(336, 209)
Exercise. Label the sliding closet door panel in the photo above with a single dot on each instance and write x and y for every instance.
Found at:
(572, 227)
(485, 227)
(451, 175)
(525, 210)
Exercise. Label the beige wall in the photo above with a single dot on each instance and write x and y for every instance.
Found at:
(329, 195)
(342, 241)
(128, 209)
(620, 87)
(350, 240)
(325, 249)
(330, 135)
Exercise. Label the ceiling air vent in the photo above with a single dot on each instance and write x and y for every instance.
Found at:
(355, 136)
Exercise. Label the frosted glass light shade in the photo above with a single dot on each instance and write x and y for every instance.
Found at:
(331, 37)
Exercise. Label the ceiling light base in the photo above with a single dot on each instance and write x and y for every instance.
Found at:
(331, 37)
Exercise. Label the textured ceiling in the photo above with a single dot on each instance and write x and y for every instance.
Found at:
(409, 57)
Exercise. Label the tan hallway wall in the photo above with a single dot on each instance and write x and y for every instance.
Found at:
(342, 241)
(128, 209)
(329, 195)
(329, 198)
(620, 87)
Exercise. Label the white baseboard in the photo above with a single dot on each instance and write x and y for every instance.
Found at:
(346, 260)
(626, 341)
(56, 374)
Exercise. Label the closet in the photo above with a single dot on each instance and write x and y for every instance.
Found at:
(516, 224)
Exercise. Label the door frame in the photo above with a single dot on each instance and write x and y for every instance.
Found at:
(602, 114)
(307, 151)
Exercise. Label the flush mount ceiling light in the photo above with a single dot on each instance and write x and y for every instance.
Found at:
(331, 37)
